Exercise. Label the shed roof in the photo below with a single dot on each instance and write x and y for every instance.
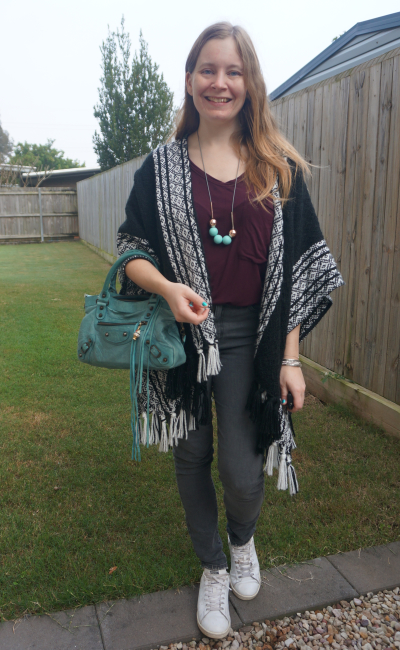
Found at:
(362, 42)
(67, 173)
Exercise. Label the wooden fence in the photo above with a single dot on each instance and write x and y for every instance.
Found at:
(349, 125)
(101, 207)
(37, 214)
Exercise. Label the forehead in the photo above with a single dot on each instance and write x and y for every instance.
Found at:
(220, 52)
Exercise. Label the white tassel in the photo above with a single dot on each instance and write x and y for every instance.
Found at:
(292, 480)
(181, 425)
(164, 437)
(282, 477)
(172, 430)
(272, 459)
(156, 429)
(143, 428)
(192, 423)
(201, 368)
(213, 361)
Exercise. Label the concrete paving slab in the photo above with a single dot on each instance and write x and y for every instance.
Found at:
(289, 589)
(370, 569)
(152, 620)
(75, 629)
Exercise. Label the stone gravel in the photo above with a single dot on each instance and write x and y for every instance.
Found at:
(370, 622)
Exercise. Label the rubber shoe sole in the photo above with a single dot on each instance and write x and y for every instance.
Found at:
(244, 597)
(212, 635)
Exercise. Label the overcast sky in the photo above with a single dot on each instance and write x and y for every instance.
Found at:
(50, 57)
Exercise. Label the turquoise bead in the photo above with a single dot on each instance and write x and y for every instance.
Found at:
(217, 239)
(226, 240)
(213, 232)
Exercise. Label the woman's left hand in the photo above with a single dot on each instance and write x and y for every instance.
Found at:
(291, 379)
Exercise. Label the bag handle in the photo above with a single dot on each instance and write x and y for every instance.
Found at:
(109, 284)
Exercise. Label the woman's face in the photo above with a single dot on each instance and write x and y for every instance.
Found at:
(217, 82)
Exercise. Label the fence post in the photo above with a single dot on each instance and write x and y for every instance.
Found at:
(41, 215)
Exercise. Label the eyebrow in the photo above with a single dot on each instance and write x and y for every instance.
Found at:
(233, 65)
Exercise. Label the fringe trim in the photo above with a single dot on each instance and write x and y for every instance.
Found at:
(275, 436)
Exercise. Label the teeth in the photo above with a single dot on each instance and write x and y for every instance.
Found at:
(218, 100)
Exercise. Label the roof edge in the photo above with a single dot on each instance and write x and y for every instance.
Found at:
(365, 27)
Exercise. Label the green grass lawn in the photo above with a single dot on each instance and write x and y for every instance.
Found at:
(72, 502)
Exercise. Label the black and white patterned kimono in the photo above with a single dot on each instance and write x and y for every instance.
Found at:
(300, 275)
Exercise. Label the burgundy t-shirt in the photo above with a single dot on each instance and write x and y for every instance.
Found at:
(236, 271)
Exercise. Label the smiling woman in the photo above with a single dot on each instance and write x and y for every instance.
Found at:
(245, 298)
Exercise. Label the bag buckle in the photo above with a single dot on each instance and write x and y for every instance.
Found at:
(154, 347)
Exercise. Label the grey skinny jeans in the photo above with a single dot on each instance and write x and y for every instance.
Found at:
(240, 467)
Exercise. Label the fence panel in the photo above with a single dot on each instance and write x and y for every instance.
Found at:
(348, 125)
(101, 206)
(27, 213)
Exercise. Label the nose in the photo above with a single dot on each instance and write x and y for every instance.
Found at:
(220, 81)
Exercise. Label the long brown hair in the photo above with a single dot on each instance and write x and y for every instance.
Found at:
(259, 131)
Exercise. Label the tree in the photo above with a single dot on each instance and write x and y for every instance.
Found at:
(42, 156)
(135, 109)
(6, 145)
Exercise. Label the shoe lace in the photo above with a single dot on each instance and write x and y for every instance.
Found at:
(214, 589)
(242, 555)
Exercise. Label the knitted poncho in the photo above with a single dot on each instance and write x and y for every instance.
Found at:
(300, 275)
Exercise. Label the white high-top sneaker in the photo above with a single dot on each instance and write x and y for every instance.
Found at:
(213, 616)
(245, 574)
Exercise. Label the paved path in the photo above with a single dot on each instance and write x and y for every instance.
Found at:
(168, 616)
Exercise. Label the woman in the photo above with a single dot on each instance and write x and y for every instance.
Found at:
(246, 299)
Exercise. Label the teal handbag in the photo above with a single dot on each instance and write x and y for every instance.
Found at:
(133, 332)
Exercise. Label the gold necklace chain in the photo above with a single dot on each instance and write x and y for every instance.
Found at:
(219, 239)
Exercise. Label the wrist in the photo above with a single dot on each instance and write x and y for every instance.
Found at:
(165, 288)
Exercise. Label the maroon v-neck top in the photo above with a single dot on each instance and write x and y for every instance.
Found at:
(236, 271)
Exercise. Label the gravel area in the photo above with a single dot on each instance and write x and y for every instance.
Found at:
(370, 622)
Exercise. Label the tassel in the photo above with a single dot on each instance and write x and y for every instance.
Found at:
(182, 425)
(272, 459)
(143, 429)
(292, 480)
(201, 368)
(192, 423)
(282, 477)
(213, 361)
(164, 437)
(172, 429)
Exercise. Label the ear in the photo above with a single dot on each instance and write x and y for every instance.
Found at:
(188, 80)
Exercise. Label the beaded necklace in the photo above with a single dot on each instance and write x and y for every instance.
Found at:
(218, 239)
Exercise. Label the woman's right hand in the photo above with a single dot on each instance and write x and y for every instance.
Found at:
(180, 298)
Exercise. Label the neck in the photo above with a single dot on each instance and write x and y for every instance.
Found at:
(220, 135)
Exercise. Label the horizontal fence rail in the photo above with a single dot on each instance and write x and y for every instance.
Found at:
(349, 127)
(31, 214)
(101, 206)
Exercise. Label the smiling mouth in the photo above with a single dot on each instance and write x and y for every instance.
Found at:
(218, 100)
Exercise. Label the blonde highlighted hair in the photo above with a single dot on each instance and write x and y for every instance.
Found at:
(258, 131)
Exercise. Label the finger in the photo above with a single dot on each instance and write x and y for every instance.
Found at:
(298, 401)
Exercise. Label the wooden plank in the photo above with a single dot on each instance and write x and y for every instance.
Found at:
(384, 233)
(331, 388)
(334, 230)
(391, 152)
(366, 232)
(392, 363)
(362, 88)
(317, 347)
(341, 352)
(284, 117)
